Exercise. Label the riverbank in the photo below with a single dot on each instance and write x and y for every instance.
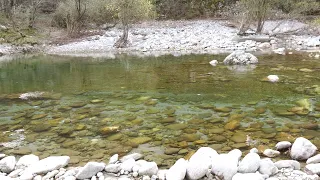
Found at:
(204, 164)
(187, 37)
(195, 37)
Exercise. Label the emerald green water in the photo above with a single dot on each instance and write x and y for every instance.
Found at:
(91, 108)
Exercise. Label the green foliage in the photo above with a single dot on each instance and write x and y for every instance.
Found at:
(131, 11)
(178, 9)
(102, 11)
(71, 14)
(297, 7)
(24, 36)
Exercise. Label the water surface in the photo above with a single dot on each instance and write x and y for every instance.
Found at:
(164, 107)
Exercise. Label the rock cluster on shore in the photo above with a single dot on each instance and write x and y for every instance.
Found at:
(192, 37)
(205, 163)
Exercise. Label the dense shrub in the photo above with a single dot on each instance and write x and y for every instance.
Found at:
(71, 14)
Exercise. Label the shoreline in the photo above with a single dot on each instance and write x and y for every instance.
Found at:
(204, 164)
(185, 37)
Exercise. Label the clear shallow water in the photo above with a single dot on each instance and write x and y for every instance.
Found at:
(92, 108)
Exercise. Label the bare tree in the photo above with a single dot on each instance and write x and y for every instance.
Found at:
(131, 11)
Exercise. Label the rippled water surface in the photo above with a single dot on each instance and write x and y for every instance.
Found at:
(164, 107)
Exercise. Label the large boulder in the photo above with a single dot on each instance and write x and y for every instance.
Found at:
(313, 168)
(314, 159)
(302, 149)
(267, 167)
(46, 165)
(200, 162)
(240, 58)
(7, 164)
(90, 169)
(148, 168)
(250, 163)
(225, 166)
(178, 170)
(26, 160)
(287, 164)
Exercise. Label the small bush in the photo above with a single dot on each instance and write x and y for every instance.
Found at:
(71, 14)
(102, 11)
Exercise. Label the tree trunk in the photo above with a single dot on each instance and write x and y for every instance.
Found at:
(123, 41)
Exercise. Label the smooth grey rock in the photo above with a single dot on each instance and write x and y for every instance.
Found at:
(287, 164)
(314, 159)
(135, 156)
(283, 145)
(38, 177)
(273, 78)
(200, 162)
(26, 160)
(254, 150)
(225, 166)
(149, 169)
(90, 169)
(113, 168)
(7, 164)
(213, 63)
(15, 173)
(250, 163)
(114, 159)
(50, 174)
(267, 167)
(302, 149)
(138, 165)
(2, 156)
(5, 178)
(235, 155)
(48, 164)
(128, 165)
(162, 174)
(178, 170)
(248, 176)
(271, 153)
(314, 168)
(313, 42)
(70, 178)
(27, 176)
(240, 58)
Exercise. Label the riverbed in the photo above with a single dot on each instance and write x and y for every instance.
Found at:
(164, 107)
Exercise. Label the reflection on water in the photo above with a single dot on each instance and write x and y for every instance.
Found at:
(92, 108)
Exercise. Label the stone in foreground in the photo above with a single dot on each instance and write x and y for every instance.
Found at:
(178, 170)
(313, 168)
(240, 58)
(302, 149)
(7, 164)
(250, 163)
(287, 164)
(48, 164)
(90, 169)
(248, 176)
(314, 159)
(267, 167)
(283, 145)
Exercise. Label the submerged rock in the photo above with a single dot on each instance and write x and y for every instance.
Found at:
(240, 58)
(273, 78)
